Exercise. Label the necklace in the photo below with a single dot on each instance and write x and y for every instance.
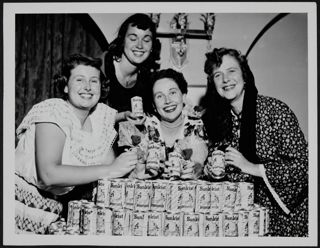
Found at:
(127, 81)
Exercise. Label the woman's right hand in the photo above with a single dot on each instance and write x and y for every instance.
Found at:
(123, 164)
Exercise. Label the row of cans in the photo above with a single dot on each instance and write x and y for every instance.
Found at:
(175, 196)
(97, 220)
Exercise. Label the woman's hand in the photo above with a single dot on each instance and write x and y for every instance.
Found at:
(235, 158)
(136, 120)
(191, 170)
(123, 164)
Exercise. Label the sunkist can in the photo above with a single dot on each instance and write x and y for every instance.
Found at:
(121, 222)
(211, 225)
(104, 221)
(173, 224)
(159, 195)
(173, 196)
(142, 195)
(243, 223)
(217, 197)
(139, 223)
(203, 197)
(103, 189)
(254, 222)
(129, 194)
(230, 224)
(191, 224)
(175, 161)
(217, 164)
(117, 193)
(229, 195)
(137, 106)
(245, 196)
(89, 223)
(155, 223)
(187, 196)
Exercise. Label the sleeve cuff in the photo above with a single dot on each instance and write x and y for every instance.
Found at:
(273, 192)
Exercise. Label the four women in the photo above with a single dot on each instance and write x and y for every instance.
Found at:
(67, 142)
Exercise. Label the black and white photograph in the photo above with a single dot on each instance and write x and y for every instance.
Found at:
(156, 124)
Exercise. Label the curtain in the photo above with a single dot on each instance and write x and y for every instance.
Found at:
(42, 43)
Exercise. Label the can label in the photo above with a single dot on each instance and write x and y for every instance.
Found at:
(120, 223)
(139, 223)
(173, 196)
(172, 224)
(155, 223)
(129, 194)
(254, 222)
(175, 164)
(187, 197)
(191, 225)
(159, 196)
(104, 221)
(243, 223)
(153, 158)
(137, 106)
(89, 219)
(117, 190)
(229, 196)
(73, 219)
(203, 198)
(230, 224)
(103, 192)
(212, 225)
(217, 164)
(262, 221)
(245, 196)
(142, 196)
(216, 197)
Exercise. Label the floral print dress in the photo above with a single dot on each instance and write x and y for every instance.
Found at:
(283, 152)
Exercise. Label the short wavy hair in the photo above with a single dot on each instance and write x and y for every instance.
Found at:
(61, 80)
(176, 76)
(141, 21)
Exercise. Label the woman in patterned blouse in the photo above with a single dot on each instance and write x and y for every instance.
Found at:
(65, 142)
(265, 144)
(170, 125)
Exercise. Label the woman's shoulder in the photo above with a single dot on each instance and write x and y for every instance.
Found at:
(270, 105)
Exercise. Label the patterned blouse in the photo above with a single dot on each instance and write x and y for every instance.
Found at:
(192, 134)
(283, 152)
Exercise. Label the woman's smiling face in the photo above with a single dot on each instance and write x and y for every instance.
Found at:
(168, 99)
(84, 87)
(137, 45)
(228, 79)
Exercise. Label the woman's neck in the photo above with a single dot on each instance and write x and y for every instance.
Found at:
(171, 125)
(237, 104)
(171, 131)
(126, 72)
(81, 114)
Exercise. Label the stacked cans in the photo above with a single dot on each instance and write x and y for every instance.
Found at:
(168, 208)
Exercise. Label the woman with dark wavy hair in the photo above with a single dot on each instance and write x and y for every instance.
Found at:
(128, 63)
(263, 140)
(65, 142)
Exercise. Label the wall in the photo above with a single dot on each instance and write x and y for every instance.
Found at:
(278, 60)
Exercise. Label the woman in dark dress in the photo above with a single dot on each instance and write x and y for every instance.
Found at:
(128, 63)
(265, 144)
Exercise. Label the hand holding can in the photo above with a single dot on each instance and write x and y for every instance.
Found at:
(216, 164)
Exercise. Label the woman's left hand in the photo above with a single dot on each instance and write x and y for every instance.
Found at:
(235, 158)
(192, 170)
(134, 119)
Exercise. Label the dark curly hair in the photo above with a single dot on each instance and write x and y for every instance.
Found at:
(218, 118)
(61, 80)
(144, 22)
(176, 76)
